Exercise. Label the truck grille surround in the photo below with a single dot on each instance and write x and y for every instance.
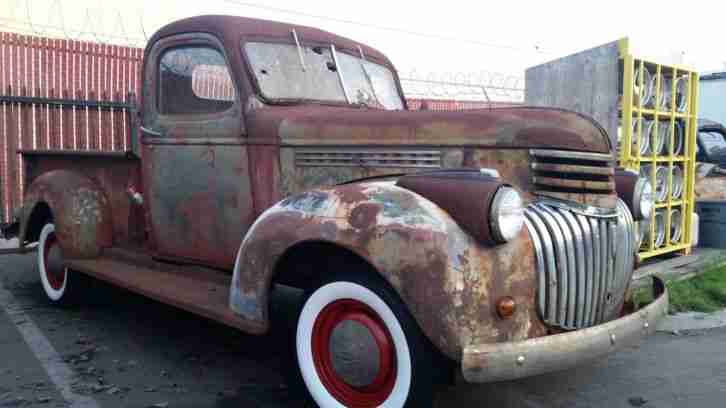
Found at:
(584, 258)
(584, 177)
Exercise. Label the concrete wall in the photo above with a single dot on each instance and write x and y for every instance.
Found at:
(586, 82)
(712, 97)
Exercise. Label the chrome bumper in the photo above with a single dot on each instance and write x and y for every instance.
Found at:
(509, 361)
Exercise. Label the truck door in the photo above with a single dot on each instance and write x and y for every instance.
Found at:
(194, 160)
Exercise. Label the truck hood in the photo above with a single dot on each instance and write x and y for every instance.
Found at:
(512, 127)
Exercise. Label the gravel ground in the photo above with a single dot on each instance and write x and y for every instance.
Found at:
(127, 351)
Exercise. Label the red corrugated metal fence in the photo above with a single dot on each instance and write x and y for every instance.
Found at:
(54, 69)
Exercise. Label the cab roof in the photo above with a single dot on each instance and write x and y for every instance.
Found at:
(232, 29)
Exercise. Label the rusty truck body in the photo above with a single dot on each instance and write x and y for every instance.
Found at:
(500, 242)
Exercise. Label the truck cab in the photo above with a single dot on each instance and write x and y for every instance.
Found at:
(497, 242)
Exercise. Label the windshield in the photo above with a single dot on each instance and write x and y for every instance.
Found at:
(713, 142)
(283, 73)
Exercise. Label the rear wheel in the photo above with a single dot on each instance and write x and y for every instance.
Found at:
(59, 283)
(357, 346)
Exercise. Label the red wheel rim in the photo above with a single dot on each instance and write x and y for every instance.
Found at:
(55, 279)
(373, 394)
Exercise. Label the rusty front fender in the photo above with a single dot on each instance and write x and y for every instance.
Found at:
(80, 211)
(448, 280)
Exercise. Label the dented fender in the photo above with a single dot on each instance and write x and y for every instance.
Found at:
(80, 208)
(448, 280)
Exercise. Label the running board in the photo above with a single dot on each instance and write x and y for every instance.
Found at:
(202, 291)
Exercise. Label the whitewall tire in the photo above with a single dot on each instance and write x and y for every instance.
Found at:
(53, 275)
(398, 370)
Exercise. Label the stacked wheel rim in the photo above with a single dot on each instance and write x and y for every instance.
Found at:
(661, 183)
(664, 103)
(677, 182)
(661, 136)
(644, 87)
(681, 93)
(647, 131)
(659, 230)
(676, 226)
(677, 136)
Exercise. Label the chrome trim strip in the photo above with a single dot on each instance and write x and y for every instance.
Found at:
(567, 154)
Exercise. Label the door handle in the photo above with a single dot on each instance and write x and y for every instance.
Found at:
(150, 132)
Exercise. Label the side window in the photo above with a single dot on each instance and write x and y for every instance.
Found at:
(194, 80)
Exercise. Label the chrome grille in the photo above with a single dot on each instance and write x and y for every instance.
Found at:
(559, 173)
(368, 158)
(584, 262)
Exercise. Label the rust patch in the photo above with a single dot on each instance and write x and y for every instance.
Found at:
(364, 215)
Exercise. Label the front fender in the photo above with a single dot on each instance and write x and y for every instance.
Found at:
(81, 212)
(448, 280)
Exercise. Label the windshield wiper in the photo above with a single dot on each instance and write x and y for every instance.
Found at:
(339, 71)
(299, 49)
(362, 62)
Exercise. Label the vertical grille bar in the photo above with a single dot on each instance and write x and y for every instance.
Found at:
(548, 287)
(597, 244)
(603, 278)
(577, 296)
(571, 268)
(541, 268)
(560, 262)
(581, 259)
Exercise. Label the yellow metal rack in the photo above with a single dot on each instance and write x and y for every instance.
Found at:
(658, 139)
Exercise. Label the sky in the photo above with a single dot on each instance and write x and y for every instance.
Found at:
(454, 41)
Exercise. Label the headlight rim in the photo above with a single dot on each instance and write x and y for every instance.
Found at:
(494, 209)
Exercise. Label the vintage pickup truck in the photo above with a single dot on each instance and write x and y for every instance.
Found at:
(492, 243)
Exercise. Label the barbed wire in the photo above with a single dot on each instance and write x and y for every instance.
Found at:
(474, 86)
(22, 19)
(480, 85)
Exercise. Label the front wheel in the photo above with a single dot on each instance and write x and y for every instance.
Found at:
(357, 346)
(59, 283)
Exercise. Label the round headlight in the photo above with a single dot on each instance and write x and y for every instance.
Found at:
(507, 214)
(643, 198)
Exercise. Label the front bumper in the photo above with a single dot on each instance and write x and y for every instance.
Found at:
(509, 361)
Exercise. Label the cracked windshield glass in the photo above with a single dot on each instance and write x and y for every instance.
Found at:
(311, 73)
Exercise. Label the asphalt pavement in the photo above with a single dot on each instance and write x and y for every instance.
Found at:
(120, 350)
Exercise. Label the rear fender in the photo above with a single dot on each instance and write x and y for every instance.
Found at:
(80, 209)
(443, 275)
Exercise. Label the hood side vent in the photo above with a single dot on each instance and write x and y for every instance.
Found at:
(429, 159)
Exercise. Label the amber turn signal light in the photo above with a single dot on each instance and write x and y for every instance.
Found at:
(505, 307)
